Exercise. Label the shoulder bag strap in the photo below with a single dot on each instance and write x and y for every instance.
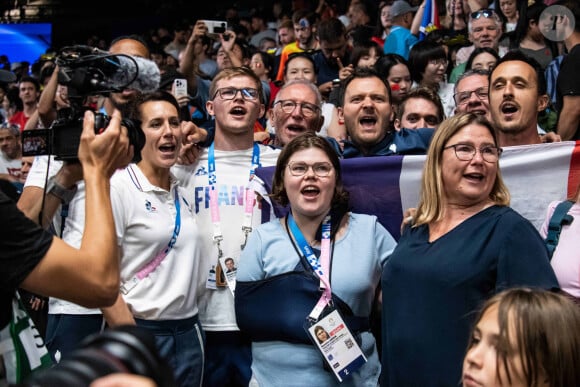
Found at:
(559, 218)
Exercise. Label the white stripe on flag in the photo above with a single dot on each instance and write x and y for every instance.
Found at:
(534, 174)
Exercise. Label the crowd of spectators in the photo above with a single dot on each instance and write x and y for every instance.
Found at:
(365, 77)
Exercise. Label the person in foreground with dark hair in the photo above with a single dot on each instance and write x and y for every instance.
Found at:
(287, 261)
(524, 337)
(33, 259)
(160, 241)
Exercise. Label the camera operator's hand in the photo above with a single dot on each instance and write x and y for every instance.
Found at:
(105, 152)
(123, 380)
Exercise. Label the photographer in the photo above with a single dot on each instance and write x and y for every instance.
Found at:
(68, 323)
(37, 261)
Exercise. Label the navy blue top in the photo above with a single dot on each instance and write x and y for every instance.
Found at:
(327, 70)
(432, 291)
(403, 142)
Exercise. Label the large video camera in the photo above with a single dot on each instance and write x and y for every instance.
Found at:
(125, 349)
(89, 71)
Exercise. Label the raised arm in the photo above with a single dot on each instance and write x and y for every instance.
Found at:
(188, 63)
(89, 275)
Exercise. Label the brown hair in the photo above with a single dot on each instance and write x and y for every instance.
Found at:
(305, 141)
(233, 72)
(546, 329)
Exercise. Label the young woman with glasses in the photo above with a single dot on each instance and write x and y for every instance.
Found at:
(318, 243)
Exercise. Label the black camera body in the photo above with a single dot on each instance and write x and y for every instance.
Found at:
(63, 138)
(127, 349)
(85, 71)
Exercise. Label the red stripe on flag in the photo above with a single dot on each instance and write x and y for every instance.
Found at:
(574, 174)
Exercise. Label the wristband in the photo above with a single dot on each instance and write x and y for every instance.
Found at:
(56, 189)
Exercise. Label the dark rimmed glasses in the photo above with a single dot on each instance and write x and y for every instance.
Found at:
(466, 152)
(299, 168)
(229, 93)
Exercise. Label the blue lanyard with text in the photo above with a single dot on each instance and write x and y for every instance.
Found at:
(249, 197)
(320, 266)
(156, 261)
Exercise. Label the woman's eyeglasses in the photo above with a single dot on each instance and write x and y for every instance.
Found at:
(466, 152)
(299, 168)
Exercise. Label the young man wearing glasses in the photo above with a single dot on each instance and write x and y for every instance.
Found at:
(216, 185)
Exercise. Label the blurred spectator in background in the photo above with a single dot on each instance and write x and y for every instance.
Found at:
(10, 152)
(395, 69)
(304, 26)
(421, 108)
(530, 40)
(260, 29)
(28, 92)
(181, 34)
(384, 23)
(428, 64)
(333, 55)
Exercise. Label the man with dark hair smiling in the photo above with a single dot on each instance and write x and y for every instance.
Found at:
(517, 95)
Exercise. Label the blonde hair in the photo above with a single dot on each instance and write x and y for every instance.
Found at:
(431, 200)
(233, 72)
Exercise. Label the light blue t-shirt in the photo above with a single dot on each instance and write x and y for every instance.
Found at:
(357, 263)
(400, 41)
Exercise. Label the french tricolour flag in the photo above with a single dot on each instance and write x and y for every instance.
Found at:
(430, 19)
(387, 185)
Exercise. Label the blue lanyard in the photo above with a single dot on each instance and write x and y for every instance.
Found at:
(320, 266)
(213, 197)
(305, 246)
(177, 226)
(159, 257)
(212, 168)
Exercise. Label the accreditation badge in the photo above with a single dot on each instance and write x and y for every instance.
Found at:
(337, 345)
(228, 266)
